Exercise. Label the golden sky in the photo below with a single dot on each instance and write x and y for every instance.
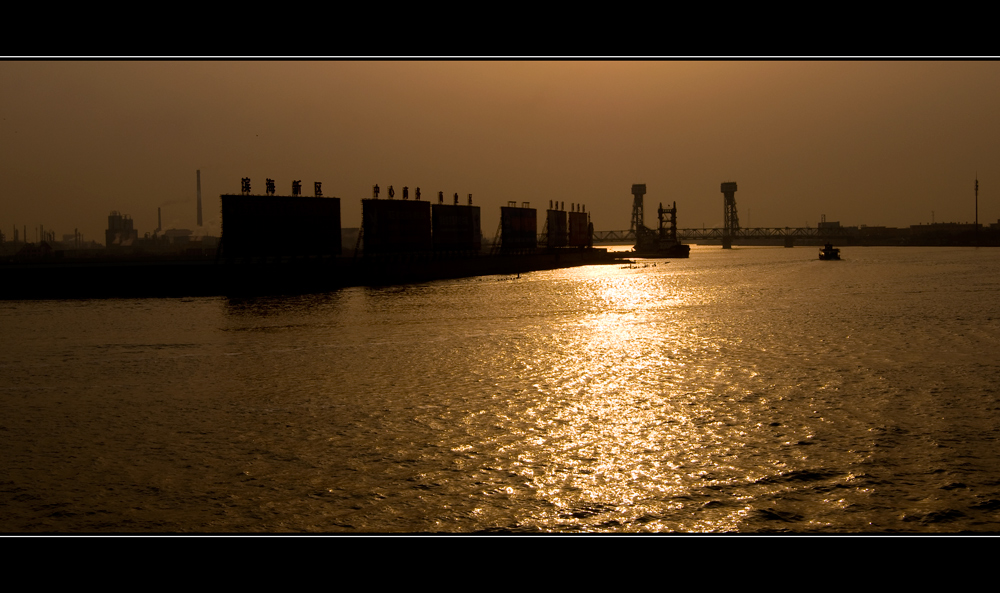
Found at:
(863, 142)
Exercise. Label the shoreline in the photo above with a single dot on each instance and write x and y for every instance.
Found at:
(189, 277)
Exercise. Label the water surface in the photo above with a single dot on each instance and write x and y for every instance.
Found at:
(751, 390)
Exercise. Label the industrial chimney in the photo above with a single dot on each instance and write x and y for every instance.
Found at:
(199, 197)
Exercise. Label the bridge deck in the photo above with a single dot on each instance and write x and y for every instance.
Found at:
(715, 234)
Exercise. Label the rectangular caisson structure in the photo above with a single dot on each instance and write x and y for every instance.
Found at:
(518, 228)
(395, 226)
(270, 226)
(456, 227)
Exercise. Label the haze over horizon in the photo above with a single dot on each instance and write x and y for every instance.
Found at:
(879, 143)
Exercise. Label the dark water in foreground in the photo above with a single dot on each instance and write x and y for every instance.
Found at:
(755, 390)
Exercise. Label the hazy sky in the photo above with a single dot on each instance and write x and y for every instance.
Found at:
(876, 143)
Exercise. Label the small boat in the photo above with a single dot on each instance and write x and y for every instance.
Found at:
(829, 252)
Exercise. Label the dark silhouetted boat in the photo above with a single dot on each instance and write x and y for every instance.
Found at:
(829, 252)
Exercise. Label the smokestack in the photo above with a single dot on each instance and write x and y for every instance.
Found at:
(199, 197)
(159, 221)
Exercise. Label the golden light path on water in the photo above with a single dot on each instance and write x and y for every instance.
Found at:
(669, 396)
(621, 419)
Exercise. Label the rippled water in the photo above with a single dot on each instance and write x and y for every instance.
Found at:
(752, 390)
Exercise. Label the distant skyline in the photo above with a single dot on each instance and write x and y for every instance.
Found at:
(880, 143)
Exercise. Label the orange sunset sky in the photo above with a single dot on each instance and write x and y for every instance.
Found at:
(863, 142)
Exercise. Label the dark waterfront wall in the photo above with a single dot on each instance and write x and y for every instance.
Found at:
(456, 227)
(518, 228)
(395, 226)
(578, 229)
(280, 226)
(556, 228)
(258, 276)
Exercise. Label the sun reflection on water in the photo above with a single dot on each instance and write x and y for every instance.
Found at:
(617, 436)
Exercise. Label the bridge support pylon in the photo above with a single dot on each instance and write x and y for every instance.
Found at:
(731, 222)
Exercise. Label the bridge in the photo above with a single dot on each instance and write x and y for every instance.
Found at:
(731, 231)
(753, 236)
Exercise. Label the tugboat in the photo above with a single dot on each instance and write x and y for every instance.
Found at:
(829, 252)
